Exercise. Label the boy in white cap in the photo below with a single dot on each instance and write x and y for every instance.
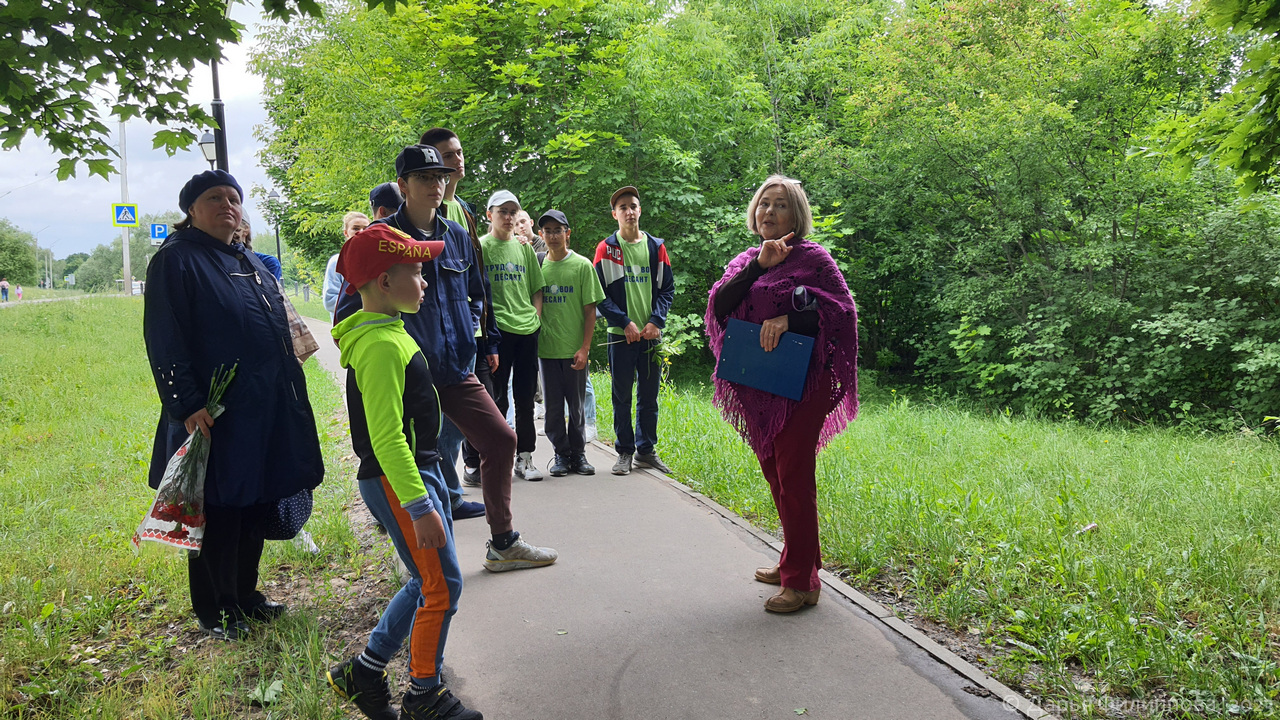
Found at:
(515, 279)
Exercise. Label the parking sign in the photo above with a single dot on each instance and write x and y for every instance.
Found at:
(159, 232)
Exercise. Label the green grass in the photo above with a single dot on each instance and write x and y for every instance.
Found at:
(313, 307)
(975, 520)
(89, 629)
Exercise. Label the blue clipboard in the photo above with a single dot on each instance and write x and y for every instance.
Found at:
(781, 371)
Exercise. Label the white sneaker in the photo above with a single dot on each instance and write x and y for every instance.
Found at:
(517, 557)
(525, 469)
(590, 434)
(539, 411)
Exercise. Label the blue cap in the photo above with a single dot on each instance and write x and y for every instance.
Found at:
(386, 195)
(555, 216)
(198, 184)
(417, 158)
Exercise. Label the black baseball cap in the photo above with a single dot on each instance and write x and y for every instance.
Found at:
(386, 195)
(417, 158)
(554, 215)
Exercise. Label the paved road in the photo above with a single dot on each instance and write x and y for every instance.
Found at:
(651, 613)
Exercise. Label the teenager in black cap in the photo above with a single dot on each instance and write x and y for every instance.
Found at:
(446, 142)
(444, 329)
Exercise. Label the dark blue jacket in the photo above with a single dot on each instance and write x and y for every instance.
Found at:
(453, 303)
(609, 270)
(209, 305)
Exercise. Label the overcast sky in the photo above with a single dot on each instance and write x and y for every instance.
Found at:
(75, 215)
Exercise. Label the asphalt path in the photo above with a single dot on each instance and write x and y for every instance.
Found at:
(652, 613)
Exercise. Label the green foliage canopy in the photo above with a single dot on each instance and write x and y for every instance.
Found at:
(983, 171)
(17, 254)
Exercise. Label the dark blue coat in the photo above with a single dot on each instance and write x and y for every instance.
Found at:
(208, 304)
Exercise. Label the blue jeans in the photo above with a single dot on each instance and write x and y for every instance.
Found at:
(633, 364)
(422, 610)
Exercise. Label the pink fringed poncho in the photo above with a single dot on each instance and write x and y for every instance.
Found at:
(757, 415)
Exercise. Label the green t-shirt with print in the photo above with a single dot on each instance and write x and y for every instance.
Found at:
(637, 282)
(569, 285)
(453, 211)
(514, 276)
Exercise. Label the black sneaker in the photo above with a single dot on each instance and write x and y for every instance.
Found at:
(439, 704)
(559, 466)
(582, 467)
(367, 688)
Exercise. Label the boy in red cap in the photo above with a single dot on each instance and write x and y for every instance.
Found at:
(395, 419)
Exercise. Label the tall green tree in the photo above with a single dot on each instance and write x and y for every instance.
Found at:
(17, 253)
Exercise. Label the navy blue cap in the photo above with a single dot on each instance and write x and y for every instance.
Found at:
(198, 184)
(386, 195)
(555, 215)
(417, 158)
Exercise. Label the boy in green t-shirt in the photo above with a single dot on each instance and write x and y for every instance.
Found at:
(569, 298)
(515, 280)
(395, 420)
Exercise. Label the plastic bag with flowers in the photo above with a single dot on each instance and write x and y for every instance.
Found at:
(176, 517)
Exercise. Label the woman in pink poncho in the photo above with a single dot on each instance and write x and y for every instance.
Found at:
(789, 284)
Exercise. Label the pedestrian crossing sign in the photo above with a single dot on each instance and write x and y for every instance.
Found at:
(124, 215)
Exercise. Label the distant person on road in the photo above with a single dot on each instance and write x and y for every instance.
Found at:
(245, 236)
(18, 291)
(395, 419)
(789, 284)
(210, 303)
(635, 272)
(569, 295)
(384, 200)
(4, 289)
(444, 329)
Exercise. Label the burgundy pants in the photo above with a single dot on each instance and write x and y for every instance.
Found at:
(792, 474)
(469, 407)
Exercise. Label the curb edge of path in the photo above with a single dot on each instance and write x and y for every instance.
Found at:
(958, 664)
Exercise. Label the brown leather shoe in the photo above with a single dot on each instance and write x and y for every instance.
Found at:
(769, 575)
(790, 600)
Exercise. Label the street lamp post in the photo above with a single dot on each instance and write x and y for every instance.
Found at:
(219, 133)
(274, 197)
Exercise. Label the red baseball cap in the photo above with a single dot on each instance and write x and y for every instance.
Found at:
(373, 251)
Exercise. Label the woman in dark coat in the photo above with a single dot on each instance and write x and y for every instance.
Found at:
(210, 303)
(789, 284)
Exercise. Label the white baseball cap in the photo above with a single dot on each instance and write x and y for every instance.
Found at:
(502, 197)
